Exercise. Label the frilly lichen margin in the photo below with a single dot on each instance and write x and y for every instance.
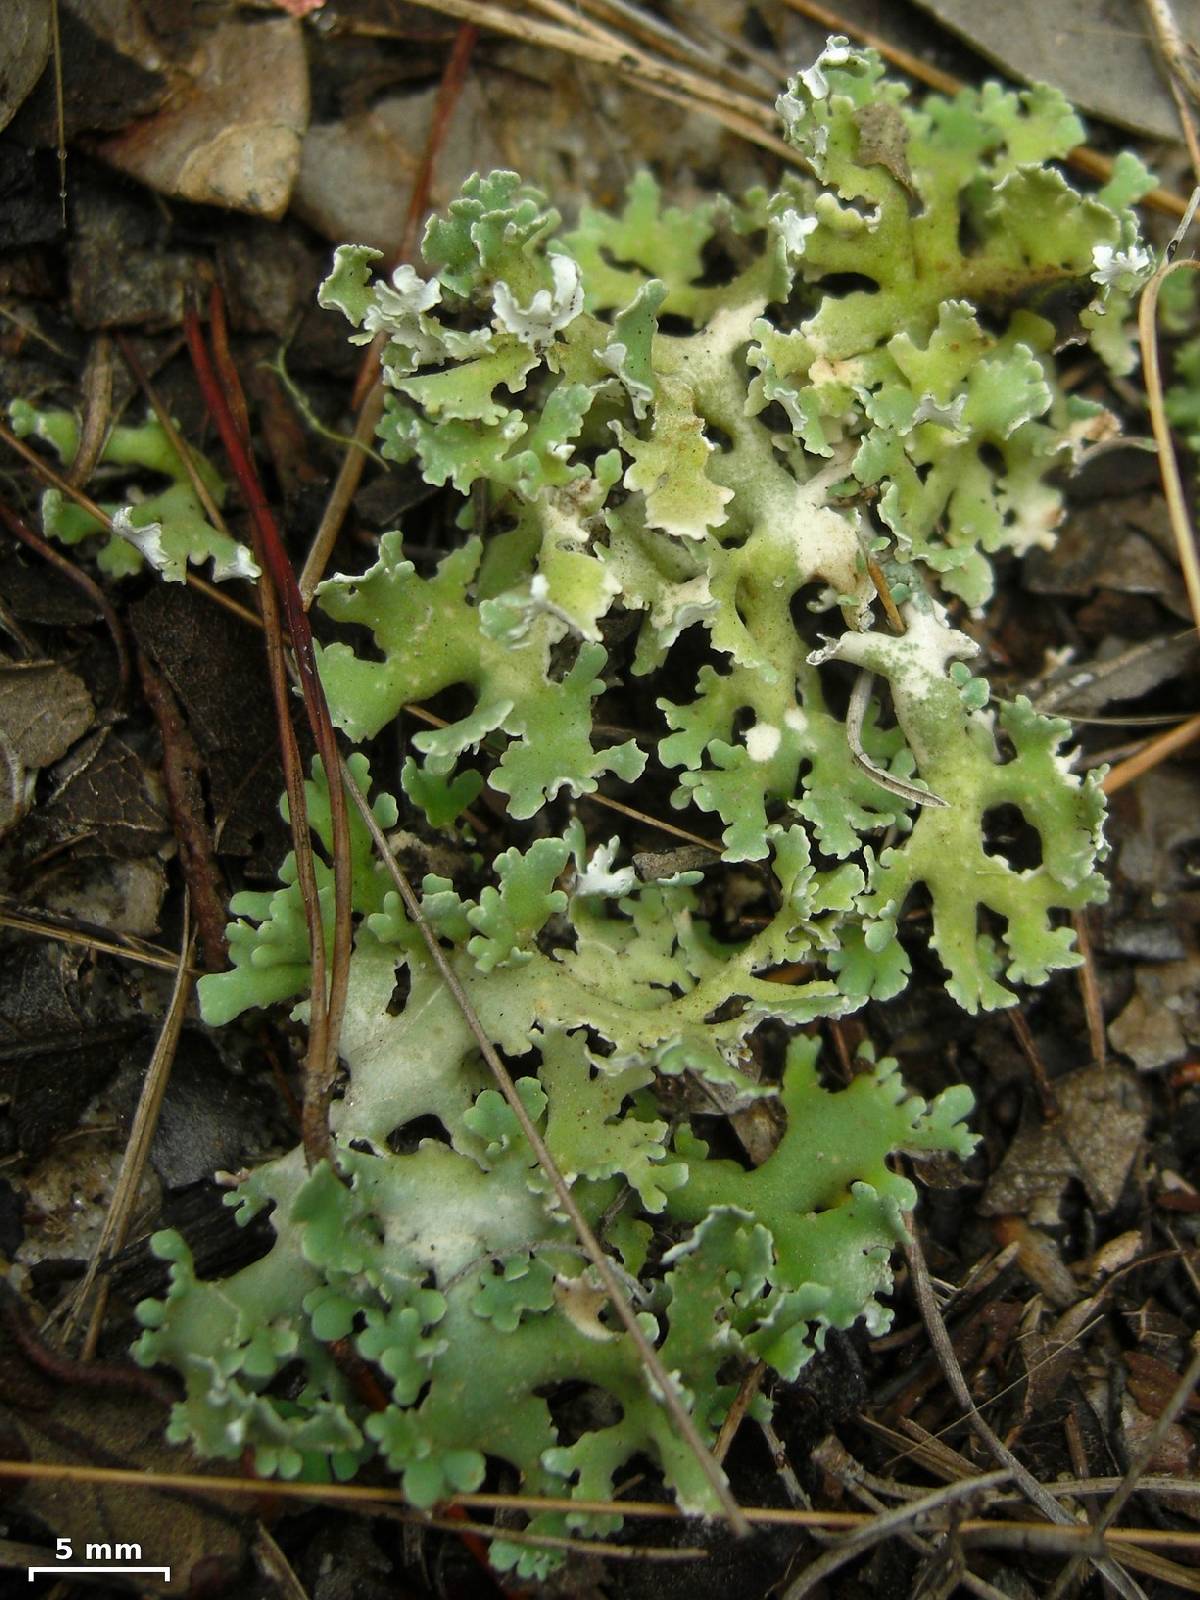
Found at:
(720, 477)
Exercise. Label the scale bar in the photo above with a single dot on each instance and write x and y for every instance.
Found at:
(166, 1571)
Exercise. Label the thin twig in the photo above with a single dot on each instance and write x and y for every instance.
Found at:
(275, 1567)
(1089, 989)
(362, 1497)
(1177, 738)
(369, 390)
(769, 64)
(859, 1483)
(676, 832)
(1024, 1036)
(1030, 1487)
(321, 1062)
(172, 434)
(56, 480)
(598, 798)
(345, 486)
(1179, 1398)
(219, 597)
(734, 1417)
(1181, 76)
(137, 1150)
(910, 1442)
(739, 113)
(660, 34)
(44, 927)
(60, 115)
(316, 1140)
(886, 1523)
(48, 474)
(182, 770)
(609, 48)
(1151, 755)
(784, 1470)
(555, 1541)
(64, 1371)
(1168, 465)
(649, 1357)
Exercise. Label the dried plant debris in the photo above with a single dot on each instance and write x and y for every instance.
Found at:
(1093, 1139)
(61, 1032)
(1108, 68)
(51, 1420)
(104, 802)
(674, 423)
(44, 709)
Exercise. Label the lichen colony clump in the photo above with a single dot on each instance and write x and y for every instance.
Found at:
(691, 450)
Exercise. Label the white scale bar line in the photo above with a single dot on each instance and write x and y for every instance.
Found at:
(166, 1571)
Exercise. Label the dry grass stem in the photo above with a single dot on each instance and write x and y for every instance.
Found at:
(137, 1149)
(1185, 538)
(136, 950)
(1129, 1484)
(884, 1524)
(1176, 58)
(741, 114)
(1028, 1484)
(1151, 755)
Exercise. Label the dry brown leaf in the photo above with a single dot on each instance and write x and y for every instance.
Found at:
(1094, 1138)
(106, 797)
(84, 1428)
(43, 710)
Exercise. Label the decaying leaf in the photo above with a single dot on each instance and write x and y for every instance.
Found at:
(104, 797)
(44, 709)
(1094, 1139)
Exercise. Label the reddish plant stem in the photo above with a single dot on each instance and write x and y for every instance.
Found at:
(111, 1375)
(278, 592)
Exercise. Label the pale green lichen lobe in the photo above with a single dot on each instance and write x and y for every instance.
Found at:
(661, 454)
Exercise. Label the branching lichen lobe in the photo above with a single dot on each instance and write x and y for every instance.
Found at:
(732, 475)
